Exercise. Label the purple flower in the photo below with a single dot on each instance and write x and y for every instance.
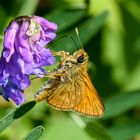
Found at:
(24, 54)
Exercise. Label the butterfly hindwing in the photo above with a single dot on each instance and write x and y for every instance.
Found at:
(62, 95)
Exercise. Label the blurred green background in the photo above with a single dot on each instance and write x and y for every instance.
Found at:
(110, 33)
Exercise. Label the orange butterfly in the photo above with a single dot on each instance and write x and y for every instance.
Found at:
(70, 88)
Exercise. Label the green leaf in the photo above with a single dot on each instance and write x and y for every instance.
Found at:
(35, 134)
(91, 27)
(11, 117)
(64, 128)
(97, 131)
(125, 131)
(87, 30)
(65, 18)
(28, 7)
(121, 103)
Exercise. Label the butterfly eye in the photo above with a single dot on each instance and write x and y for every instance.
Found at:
(81, 59)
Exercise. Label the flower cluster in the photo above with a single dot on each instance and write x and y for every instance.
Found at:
(24, 54)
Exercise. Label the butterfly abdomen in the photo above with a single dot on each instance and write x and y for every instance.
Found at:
(43, 92)
(41, 95)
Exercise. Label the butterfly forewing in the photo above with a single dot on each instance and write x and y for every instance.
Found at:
(90, 104)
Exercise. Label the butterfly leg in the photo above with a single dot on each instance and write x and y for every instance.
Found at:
(62, 54)
(54, 75)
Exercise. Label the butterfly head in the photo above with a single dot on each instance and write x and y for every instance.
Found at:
(81, 56)
(76, 61)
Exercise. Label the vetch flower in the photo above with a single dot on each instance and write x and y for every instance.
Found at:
(24, 53)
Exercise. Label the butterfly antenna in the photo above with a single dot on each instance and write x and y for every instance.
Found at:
(74, 42)
(77, 33)
(52, 43)
(64, 36)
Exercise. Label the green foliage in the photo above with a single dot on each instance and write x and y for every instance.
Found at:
(12, 116)
(67, 15)
(35, 134)
(97, 131)
(93, 24)
(121, 103)
(27, 7)
(68, 129)
(109, 32)
(126, 130)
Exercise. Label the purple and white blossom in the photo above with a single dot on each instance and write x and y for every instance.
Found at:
(24, 53)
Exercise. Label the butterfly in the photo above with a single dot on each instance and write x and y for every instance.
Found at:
(69, 87)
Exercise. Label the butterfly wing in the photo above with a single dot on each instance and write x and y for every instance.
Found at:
(61, 95)
(90, 104)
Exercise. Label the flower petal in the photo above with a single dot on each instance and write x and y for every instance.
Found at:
(44, 58)
(23, 37)
(45, 23)
(12, 91)
(25, 68)
(40, 72)
(22, 81)
(26, 54)
(9, 39)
